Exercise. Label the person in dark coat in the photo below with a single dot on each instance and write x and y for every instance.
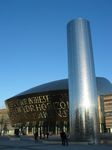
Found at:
(36, 136)
(64, 138)
(47, 134)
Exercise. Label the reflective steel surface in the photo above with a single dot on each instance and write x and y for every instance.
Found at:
(82, 82)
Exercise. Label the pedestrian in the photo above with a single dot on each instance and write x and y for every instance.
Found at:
(36, 136)
(44, 135)
(64, 138)
(47, 134)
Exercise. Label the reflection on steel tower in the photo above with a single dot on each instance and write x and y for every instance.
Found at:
(82, 82)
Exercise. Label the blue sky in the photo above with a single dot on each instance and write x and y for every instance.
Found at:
(33, 43)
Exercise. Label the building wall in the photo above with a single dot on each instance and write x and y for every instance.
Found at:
(105, 112)
(45, 111)
(23, 114)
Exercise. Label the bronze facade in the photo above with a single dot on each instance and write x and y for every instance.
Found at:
(49, 109)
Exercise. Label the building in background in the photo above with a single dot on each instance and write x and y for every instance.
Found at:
(105, 113)
(45, 107)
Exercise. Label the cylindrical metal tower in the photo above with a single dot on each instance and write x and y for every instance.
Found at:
(82, 82)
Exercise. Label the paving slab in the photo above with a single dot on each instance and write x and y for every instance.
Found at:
(28, 143)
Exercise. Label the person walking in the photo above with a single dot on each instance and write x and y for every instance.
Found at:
(47, 134)
(64, 138)
(36, 136)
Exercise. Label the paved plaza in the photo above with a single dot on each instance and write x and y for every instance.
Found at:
(28, 143)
